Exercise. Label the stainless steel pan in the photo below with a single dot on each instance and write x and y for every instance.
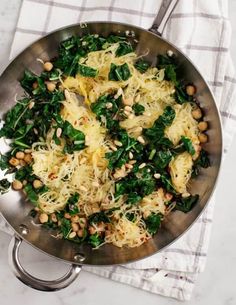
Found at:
(15, 210)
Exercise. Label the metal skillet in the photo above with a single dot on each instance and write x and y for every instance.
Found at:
(16, 211)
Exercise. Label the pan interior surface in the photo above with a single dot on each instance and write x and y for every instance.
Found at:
(13, 206)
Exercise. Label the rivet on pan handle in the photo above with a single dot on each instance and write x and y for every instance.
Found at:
(165, 11)
(33, 282)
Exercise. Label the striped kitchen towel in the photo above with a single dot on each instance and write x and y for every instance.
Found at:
(201, 29)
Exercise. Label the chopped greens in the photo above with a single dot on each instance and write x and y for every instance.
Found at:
(138, 109)
(188, 145)
(86, 71)
(119, 73)
(142, 65)
(4, 186)
(95, 240)
(153, 223)
(186, 204)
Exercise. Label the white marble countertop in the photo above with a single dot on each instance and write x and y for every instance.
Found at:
(215, 286)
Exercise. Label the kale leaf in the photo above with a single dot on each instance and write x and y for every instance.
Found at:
(138, 109)
(188, 145)
(153, 223)
(71, 204)
(95, 240)
(142, 65)
(98, 217)
(4, 186)
(75, 139)
(124, 48)
(186, 204)
(119, 73)
(87, 71)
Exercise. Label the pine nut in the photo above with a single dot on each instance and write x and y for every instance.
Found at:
(157, 176)
(72, 235)
(128, 108)
(58, 132)
(118, 143)
(128, 165)
(37, 184)
(142, 165)
(131, 155)
(132, 162)
(141, 140)
(109, 105)
(185, 195)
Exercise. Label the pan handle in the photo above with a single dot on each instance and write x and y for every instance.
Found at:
(33, 282)
(165, 11)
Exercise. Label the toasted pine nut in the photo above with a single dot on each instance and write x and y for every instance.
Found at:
(142, 165)
(31, 105)
(72, 235)
(128, 165)
(128, 108)
(157, 176)
(141, 140)
(132, 161)
(58, 132)
(185, 195)
(109, 105)
(118, 143)
(131, 155)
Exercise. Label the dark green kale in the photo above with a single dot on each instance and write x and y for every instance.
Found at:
(142, 65)
(98, 217)
(153, 223)
(202, 161)
(170, 65)
(138, 109)
(95, 240)
(87, 71)
(75, 139)
(4, 162)
(188, 145)
(155, 134)
(124, 48)
(4, 186)
(65, 227)
(71, 204)
(161, 159)
(186, 204)
(31, 194)
(119, 73)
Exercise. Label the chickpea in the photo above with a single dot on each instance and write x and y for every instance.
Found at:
(51, 86)
(75, 218)
(128, 101)
(202, 126)
(35, 85)
(92, 230)
(80, 233)
(37, 184)
(22, 163)
(43, 217)
(82, 222)
(203, 138)
(14, 162)
(75, 227)
(48, 66)
(191, 90)
(53, 217)
(20, 155)
(17, 185)
(28, 158)
(197, 113)
(67, 216)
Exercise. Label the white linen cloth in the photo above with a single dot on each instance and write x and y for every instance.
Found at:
(201, 29)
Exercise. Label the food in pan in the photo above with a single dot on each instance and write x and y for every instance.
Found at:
(104, 144)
